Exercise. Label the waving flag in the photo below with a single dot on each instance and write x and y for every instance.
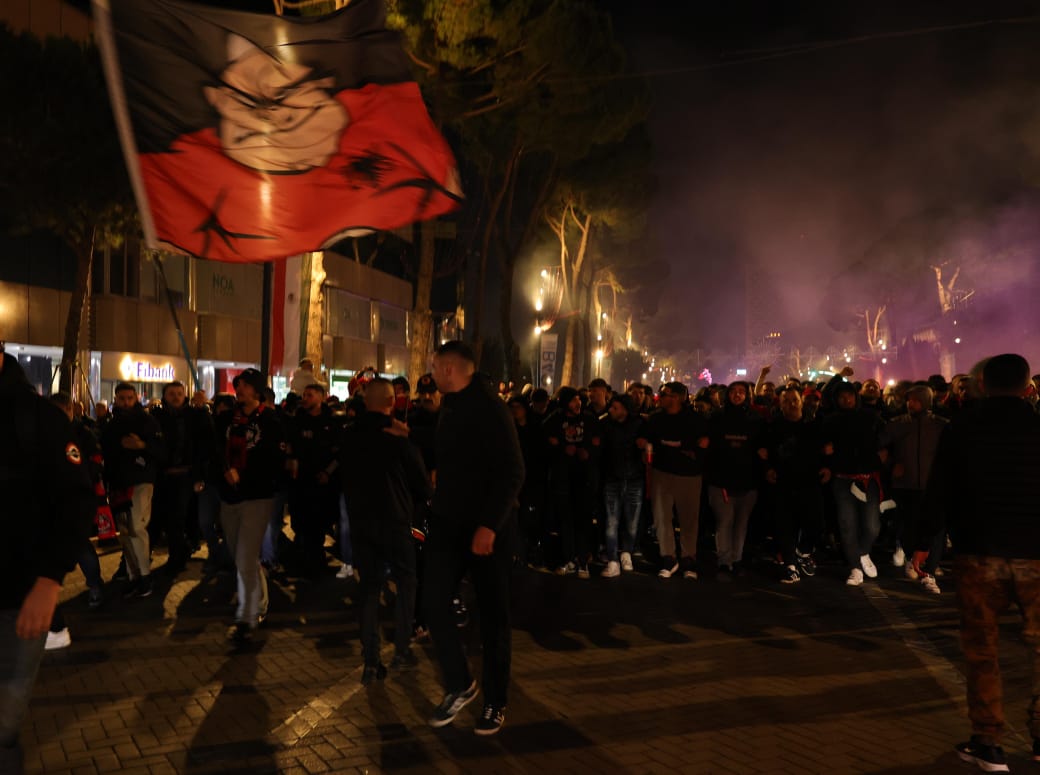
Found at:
(252, 137)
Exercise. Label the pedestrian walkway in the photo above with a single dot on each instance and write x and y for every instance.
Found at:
(610, 675)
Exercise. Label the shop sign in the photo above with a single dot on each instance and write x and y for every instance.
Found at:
(145, 371)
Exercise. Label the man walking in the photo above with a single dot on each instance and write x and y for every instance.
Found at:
(385, 482)
(480, 471)
(986, 482)
(133, 448)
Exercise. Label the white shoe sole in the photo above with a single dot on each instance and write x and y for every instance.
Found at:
(982, 764)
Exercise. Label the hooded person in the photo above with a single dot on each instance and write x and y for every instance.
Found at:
(624, 479)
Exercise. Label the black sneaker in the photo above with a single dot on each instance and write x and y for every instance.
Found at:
(450, 706)
(404, 660)
(241, 634)
(144, 587)
(988, 758)
(1036, 749)
(790, 575)
(724, 574)
(95, 597)
(806, 564)
(373, 673)
(130, 590)
(689, 568)
(490, 721)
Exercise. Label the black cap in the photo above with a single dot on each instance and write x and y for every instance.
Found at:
(253, 378)
(426, 385)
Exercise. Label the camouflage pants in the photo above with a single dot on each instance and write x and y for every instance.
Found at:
(986, 586)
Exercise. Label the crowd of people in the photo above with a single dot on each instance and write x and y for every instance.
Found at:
(462, 480)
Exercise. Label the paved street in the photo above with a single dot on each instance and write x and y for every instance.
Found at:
(621, 675)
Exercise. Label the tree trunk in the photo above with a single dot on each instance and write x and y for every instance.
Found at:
(422, 318)
(505, 311)
(567, 372)
(74, 321)
(316, 310)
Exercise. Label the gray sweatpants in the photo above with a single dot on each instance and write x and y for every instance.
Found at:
(244, 526)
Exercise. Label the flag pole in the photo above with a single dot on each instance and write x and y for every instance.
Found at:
(177, 323)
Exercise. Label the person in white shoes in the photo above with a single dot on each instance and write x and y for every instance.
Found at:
(624, 475)
(851, 444)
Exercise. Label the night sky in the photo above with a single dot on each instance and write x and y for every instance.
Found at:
(791, 166)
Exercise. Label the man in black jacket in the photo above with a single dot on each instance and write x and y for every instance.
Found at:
(480, 471)
(133, 448)
(48, 510)
(187, 435)
(985, 481)
(385, 482)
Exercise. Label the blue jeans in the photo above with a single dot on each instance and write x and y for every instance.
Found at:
(209, 519)
(732, 514)
(90, 565)
(19, 663)
(859, 523)
(622, 496)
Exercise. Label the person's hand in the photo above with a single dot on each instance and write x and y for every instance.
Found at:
(702, 442)
(771, 476)
(765, 370)
(132, 441)
(883, 455)
(898, 470)
(483, 542)
(199, 487)
(232, 477)
(583, 454)
(569, 450)
(847, 371)
(553, 441)
(34, 617)
(323, 478)
(641, 443)
(828, 448)
(825, 475)
(763, 453)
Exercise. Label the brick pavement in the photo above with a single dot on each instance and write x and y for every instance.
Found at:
(621, 675)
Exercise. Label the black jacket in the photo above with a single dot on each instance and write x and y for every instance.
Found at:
(855, 435)
(127, 467)
(383, 478)
(49, 499)
(253, 444)
(480, 468)
(314, 443)
(985, 480)
(187, 435)
(795, 452)
(675, 438)
(735, 434)
(622, 459)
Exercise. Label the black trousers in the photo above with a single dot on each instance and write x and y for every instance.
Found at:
(372, 555)
(799, 519)
(448, 558)
(313, 508)
(170, 505)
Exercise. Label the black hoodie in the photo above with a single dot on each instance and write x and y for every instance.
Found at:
(49, 500)
(480, 468)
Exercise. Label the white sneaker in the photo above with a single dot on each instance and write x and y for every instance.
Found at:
(612, 570)
(855, 578)
(929, 585)
(869, 567)
(899, 558)
(58, 640)
(345, 572)
(626, 562)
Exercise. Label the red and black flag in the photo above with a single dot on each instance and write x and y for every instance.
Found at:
(253, 137)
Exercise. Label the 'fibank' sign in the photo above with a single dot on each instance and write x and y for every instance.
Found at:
(145, 371)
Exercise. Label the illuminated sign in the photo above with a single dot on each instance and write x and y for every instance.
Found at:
(144, 371)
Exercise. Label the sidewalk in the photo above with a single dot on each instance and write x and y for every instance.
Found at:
(610, 675)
